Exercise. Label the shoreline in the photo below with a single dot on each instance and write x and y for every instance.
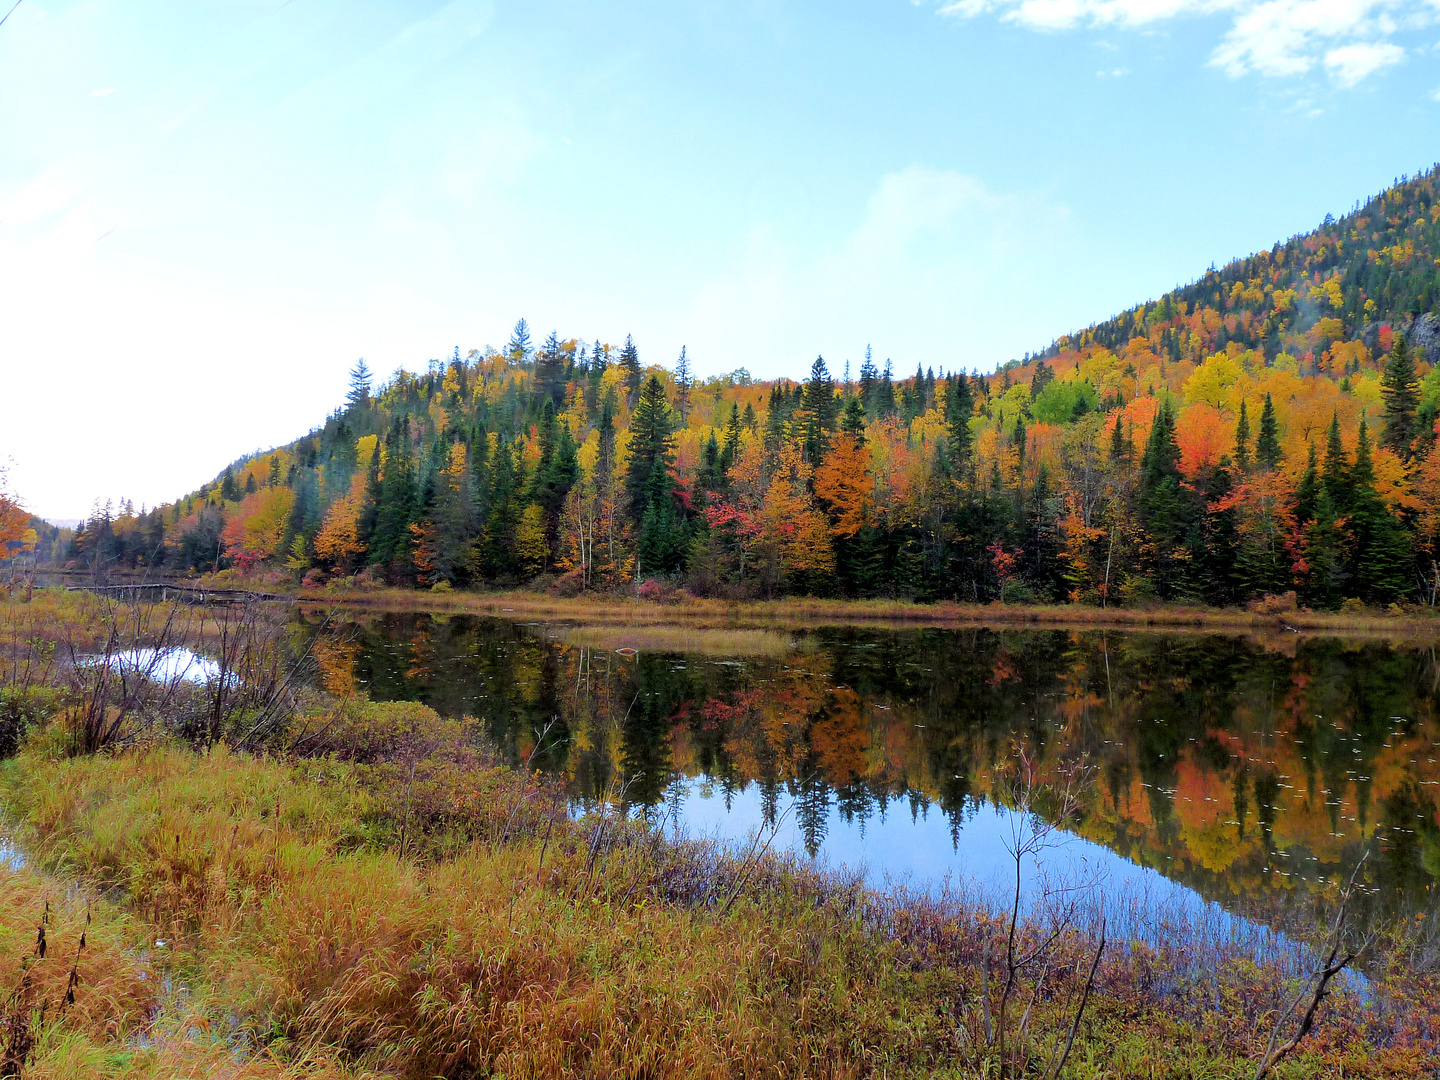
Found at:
(808, 612)
(804, 612)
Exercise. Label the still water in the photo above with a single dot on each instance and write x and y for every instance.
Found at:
(1220, 773)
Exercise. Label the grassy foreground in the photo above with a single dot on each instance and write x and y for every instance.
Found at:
(369, 895)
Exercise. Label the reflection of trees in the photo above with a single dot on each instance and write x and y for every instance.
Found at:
(1239, 770)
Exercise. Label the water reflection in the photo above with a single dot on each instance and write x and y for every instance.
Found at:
(1252, 772)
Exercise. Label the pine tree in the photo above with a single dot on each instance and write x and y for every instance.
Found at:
(959, 408)
(682, 387)
(1335, 479)
(1308, 492)
(852, 420)
(630, 362)
(1382, 548)
(732, 439)
(228, 490)
(360, 379)
(518, 349)
(885, 394)
(550, 370)
(1402, 398)
(1267, 443)
(869, 377)
(818, 400)
(650, 443)
(1242, 439)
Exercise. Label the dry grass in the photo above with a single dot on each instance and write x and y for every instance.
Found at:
(701, 640)
(803, 612)
(577, 949)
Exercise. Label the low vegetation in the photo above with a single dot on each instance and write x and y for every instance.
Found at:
(366, 891)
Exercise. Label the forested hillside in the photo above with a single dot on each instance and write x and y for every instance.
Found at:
(1266, 428)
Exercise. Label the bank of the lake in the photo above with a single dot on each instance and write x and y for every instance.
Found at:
(680, 609)
(370, 891)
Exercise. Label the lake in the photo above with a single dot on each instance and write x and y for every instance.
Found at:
(1219, 775)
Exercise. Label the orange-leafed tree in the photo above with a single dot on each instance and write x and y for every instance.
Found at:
(793, 524)
(843, 483)
(338, 541)
(256, 530)
(1203, 435)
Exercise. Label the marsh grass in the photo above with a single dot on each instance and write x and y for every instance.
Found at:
(372, 894)
(802, 612)
(697, 640)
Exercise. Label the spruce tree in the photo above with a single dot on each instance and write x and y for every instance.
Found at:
(1242, 439)
(959, 408)
(885, 394)
(682, 387)
(550, 370)
(818, 399)
(630, 362)
(650, 442)
(358, 396)
(1267, 443)
(1401, 390)
(852, 420)
(1308, 492)
(732, 439)
(1335, 479)
(518, 349)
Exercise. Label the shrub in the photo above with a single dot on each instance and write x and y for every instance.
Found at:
(569, 584)
(1353, 606)
(1274, 605)
(657, 592)
(21, 708)
(442, 586)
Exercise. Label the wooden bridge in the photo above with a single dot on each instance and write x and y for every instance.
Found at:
(165, 592)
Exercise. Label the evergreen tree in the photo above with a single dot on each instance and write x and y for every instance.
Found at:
(1335, 479)
(732, 439)
(650, 443)
(959, 408)
(518, 349)
(869, 377)
(358, 396)
(819, 401)
(1267, 443)
(391, 544)
(630, 363)
(228, 491)
(682, 387)
(1242, 439)
(852, 420)
(1402, 398)
(550, 370)
(885, 395)
(1308, 492)
(1382, 548)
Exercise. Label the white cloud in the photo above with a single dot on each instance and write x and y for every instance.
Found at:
(1349, 64)
(1349, 39)
(103, 92)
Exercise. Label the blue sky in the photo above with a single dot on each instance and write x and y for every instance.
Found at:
(209, 210)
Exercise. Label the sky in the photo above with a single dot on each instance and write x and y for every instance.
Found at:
(210, 209)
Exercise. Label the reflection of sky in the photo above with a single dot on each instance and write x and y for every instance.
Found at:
(167, 666)
(918, 852)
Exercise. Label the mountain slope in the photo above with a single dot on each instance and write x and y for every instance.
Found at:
(1265, 428)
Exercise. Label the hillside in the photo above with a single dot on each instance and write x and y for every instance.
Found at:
(1263, 429)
